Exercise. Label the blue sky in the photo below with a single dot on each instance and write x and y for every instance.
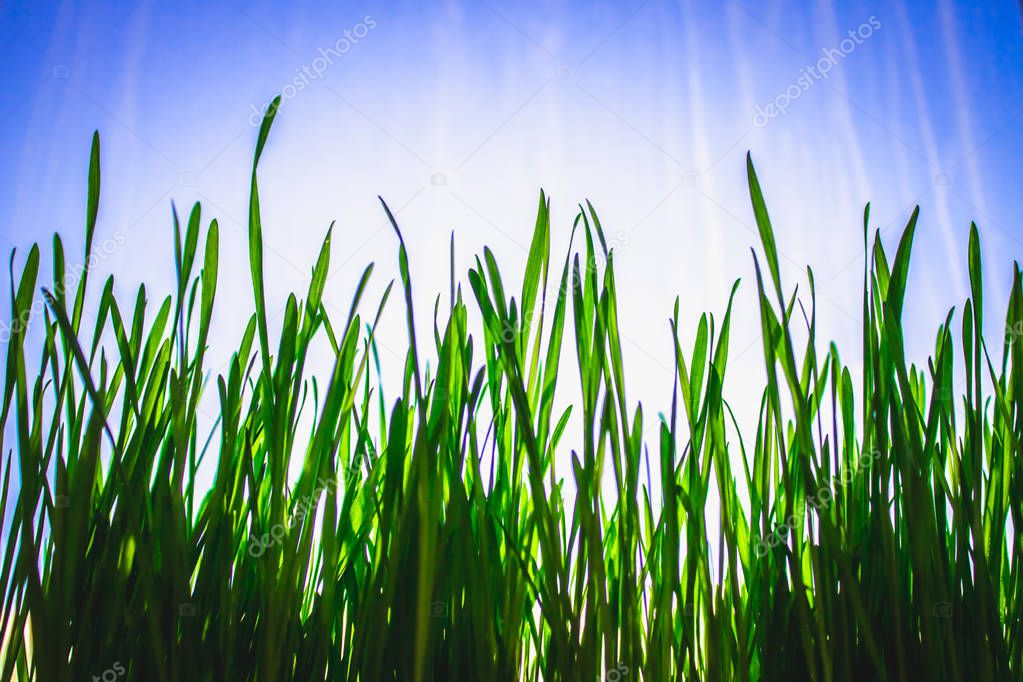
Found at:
(457, 113)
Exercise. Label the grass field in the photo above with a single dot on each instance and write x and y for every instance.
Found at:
(863, 532)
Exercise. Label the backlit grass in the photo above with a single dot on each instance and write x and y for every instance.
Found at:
(864, 531)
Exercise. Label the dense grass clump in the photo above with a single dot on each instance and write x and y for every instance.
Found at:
(431, 536)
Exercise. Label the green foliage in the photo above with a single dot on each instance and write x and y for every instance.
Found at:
(434, 537)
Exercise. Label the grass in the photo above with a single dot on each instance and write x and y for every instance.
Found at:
(430, 536)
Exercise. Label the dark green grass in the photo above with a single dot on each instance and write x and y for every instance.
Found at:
(431, 535)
